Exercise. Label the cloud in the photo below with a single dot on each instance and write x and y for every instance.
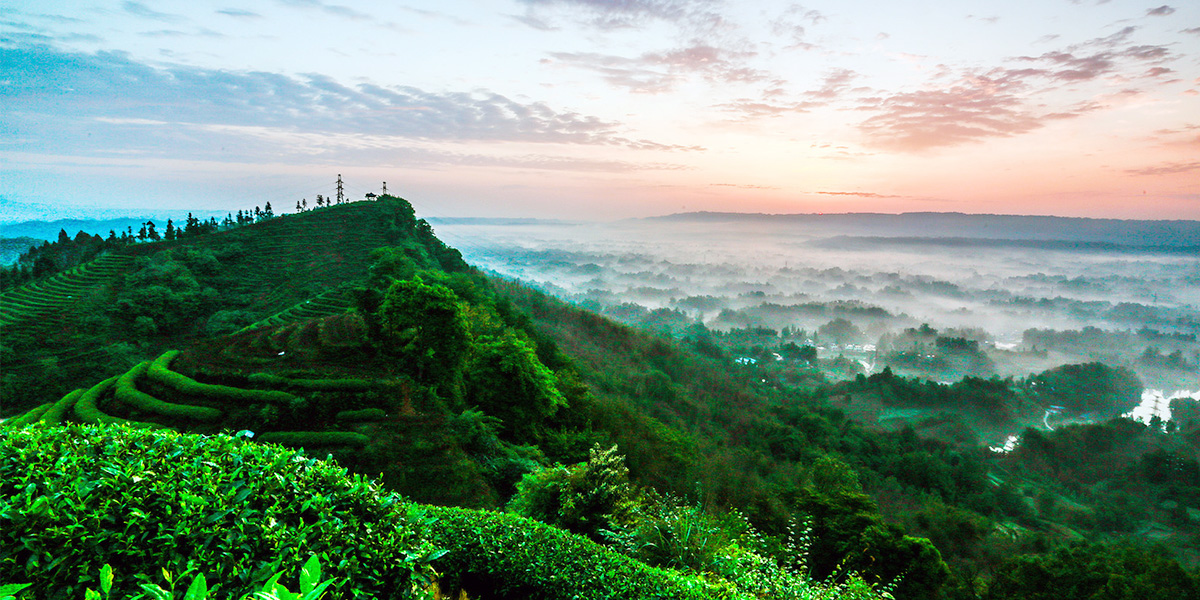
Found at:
(861, 194)
(836, 83)
(51, 95)
(1161, 11)
(792, 24)
(239, 13)
(974, 109)
(141, 10)
(1004, 102)
(1192, 30)
(1170, 168)
(627, 14)
(755, 109)
(834, 86)
(656, 72)
(745, 186)
(333, 9)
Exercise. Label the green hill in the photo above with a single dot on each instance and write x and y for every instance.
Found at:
(353, 332)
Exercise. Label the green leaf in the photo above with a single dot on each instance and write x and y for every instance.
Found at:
(106, 579)
(310, 574)
(10, 589)
(90, 594)
(198, 590)
(317, 592)
(155, 592)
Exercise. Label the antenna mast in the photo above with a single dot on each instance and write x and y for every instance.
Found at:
(340, 194)
(385, 188)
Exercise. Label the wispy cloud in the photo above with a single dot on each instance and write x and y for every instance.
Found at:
(793, 25)
(1003, 101)
(861, 194)
(656, 72)
(1170, 168)
(239, 13)
(1161, 11)
(836, 85)
(333, 9)
(745, 186)
(141, 10)
(69, 91)
(623, 14)
(975, 108)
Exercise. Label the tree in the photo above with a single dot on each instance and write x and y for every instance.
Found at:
(584, 498)
(424, 325)
(506, 380)
(268, 212)
(1116, 572)
(151, 232)
(63, 238)
(170, 230)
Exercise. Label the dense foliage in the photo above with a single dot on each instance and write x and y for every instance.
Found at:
(77, 498)
(700, 451)
(159, 506)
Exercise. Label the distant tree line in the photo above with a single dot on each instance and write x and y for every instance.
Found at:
(67, 252)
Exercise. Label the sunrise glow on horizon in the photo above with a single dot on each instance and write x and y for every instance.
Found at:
(595, 109)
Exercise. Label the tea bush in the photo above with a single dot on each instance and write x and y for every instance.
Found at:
(75, 498)
(127, 392)
(160, 371)
(315, 438)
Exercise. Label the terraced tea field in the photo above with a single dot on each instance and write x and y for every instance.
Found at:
(25, 306)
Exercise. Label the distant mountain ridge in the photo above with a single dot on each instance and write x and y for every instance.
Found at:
(1137, 233)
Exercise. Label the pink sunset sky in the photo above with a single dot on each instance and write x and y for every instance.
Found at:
(593, 109)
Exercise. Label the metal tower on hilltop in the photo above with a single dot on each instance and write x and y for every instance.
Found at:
(341, 194)
(385, 188)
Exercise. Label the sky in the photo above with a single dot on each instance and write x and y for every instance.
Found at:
(602, 109)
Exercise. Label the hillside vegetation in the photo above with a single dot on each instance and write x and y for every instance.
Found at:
(538, 445)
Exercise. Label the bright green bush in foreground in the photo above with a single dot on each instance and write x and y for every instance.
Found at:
(159, 504)
(73, 499)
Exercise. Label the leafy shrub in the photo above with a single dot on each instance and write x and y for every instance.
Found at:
(314, 438)
(127, 392)
(87, 408)
(509, 556)
(672, 534)
(160, 371)
(76, 497)
(32, 416)
(58, 412)
(347, 385)
(225, 322)
(366, 414)
(585, 498)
